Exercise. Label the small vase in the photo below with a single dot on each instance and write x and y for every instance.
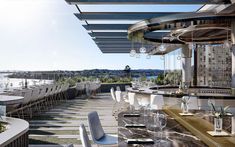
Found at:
(184, 107)
(218, 123)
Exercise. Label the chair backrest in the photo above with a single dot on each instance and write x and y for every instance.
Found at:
(126, 87)
(48, 91)
(144, 101)
(118, 95)
(96, 129)
(133, 99)
(118, 88)
(35, 93)
(17, 92)
(57, 89)
(65, 87)
(193, 103)
(112, 94)
(42, 92)
(27, 96)
(84, 137)
(156, 102)
(54, 88)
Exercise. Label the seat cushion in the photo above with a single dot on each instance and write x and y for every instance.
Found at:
(107, 140)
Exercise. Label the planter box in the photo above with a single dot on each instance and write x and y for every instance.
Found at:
(16, 135)
(105, 88)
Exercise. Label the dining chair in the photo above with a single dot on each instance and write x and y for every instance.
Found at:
(115, 105)
(156, 102)
(118, 88)
(84, 137)
(133, 101)
(98, 135)
(112, 92)
(144, 101)
(121, 100)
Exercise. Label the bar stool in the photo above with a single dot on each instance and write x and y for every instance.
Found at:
(156, 102)
(133, 101)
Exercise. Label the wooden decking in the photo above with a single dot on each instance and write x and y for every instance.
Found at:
(60, 125)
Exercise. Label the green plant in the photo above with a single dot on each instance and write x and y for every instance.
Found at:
(221, 112)
(2, 127)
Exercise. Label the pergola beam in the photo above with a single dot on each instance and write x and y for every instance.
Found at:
(121, 15)
(106, 26)
(99, 34)
(111, 39)
(133, 2)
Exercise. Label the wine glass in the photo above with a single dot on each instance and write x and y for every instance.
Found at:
(132, 108)
(155, 120)
(162, 121)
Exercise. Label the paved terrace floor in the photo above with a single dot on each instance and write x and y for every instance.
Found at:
(59, 126)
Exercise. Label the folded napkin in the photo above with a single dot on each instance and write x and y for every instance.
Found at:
(132, 115)
(186, 114)
(135, 126)
(218, 134)
(140, 141)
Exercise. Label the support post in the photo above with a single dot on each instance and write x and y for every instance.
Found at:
(233, 55)
(186, 64)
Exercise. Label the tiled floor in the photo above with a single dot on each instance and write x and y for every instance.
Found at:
(60, 125)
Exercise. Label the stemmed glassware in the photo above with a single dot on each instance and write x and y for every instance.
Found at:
(161, 121)
(146, 108)
(132, 108)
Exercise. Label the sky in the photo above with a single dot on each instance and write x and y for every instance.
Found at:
(45, 35)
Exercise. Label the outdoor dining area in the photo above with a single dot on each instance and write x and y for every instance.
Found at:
(194, 110)
(21, 105)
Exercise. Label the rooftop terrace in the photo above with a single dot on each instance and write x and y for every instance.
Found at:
(60, 125)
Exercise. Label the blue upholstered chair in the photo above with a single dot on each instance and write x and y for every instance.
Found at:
(98, 135)
(84, 137)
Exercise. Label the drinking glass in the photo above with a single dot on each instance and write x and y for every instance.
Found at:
(132, 108)
(155, 120)
(162, 121)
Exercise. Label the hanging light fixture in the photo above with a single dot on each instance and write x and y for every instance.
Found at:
(192, 45)
(142, 49)
(162, 47)
(227, 44)
(132, 52)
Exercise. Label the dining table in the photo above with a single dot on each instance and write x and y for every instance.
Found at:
(180, 131)
(10, 99)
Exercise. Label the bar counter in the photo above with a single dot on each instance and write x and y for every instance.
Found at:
(182, 131)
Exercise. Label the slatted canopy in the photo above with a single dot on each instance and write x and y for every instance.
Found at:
(107, 21)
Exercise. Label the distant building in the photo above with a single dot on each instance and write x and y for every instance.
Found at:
(213, 66)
